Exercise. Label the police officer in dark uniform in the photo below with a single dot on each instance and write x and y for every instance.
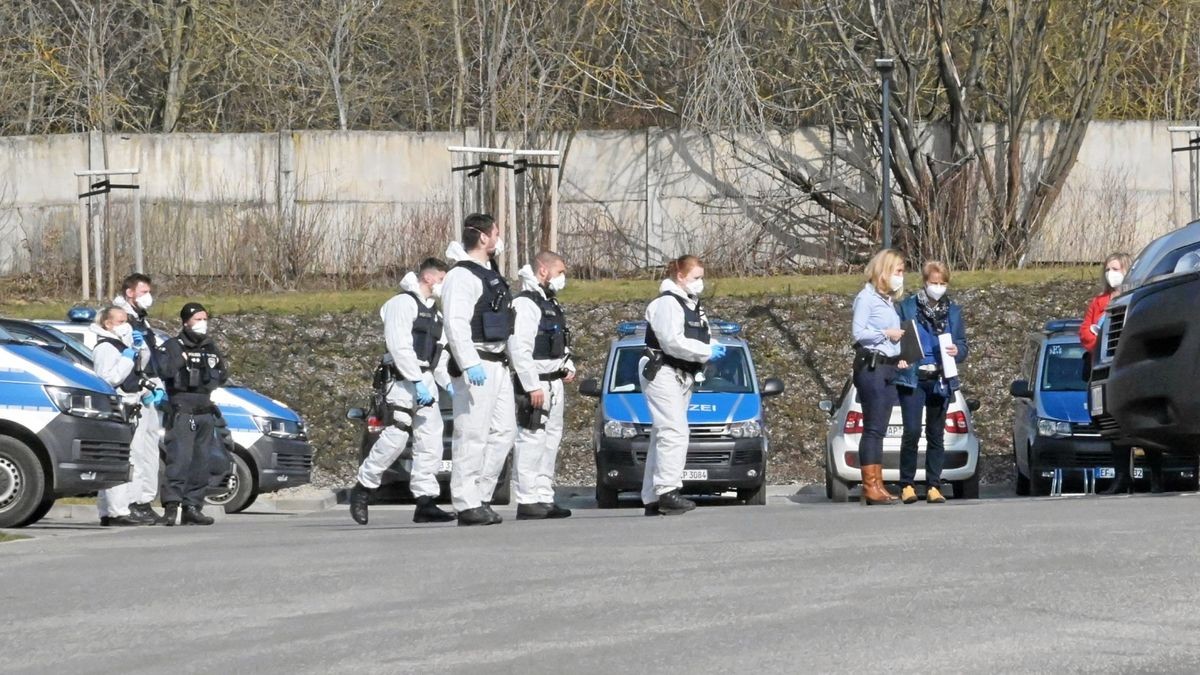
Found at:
(192, 367)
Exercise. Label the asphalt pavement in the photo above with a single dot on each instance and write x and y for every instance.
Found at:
(800, 585)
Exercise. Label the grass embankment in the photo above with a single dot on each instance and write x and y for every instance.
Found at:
(300, 303)
(10, 537)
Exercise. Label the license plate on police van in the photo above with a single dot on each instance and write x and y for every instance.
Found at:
(1096, 400)
(895, 430)
(1138, 472)
(1106, 472)
(446, 466)
(695, 474)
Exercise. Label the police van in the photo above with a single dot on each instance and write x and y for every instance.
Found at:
(729, 445)
(267, 439)
(63, 431)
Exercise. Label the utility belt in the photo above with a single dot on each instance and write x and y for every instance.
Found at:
(453, 368)
(870, 359)
(556, 375)
(656, 359)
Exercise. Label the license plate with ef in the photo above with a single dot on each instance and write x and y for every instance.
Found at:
(1106, 472)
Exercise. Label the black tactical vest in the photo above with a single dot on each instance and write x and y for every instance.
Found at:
(695, 327)
(426, 331)
(202, 372)
(133, 383)
(553, 337)
(492, 320)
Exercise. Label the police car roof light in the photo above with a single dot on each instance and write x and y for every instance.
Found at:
(1062, 326)
(81, 314)
(725, 327)
(627, 328)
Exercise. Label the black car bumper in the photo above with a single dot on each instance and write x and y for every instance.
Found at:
(281, 463)
(1151, 387)
(728, 464)
(88, 455)
(1094, 453)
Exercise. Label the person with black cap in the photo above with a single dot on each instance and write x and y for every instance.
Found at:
(477, 304)
(192, 367)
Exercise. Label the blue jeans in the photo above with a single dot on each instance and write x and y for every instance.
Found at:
(877, 395)
(913, 401)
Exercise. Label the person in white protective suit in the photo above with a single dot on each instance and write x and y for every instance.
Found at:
(412, 330)
(120, 359)
(477, 304)
(678, 344)
(136, 300)
(540, 349)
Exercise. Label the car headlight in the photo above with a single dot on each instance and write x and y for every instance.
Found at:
(278, 427)
(751, 429)
(615, 429)
(86, 403)
(1053, 428)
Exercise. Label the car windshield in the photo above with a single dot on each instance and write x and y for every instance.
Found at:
(1062, 368)
(730, 375)
(73, 349)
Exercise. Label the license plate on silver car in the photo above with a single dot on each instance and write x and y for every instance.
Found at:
(895, 430)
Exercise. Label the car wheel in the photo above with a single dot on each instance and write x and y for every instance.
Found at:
(502, 495)
(606, 497)
(836, 489)
(1038, 486)
(967, 489)
(755, 496)
(1021, 480)
(242, 491)
(22, 484)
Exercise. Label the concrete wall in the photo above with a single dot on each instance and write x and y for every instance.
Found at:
(350, 201)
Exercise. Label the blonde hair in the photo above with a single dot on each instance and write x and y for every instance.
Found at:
(936, 266)
(881, 267)
(107, 314)
(1126, 263)
(681, 266)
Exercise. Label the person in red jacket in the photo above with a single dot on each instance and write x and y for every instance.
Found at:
(1116, 266)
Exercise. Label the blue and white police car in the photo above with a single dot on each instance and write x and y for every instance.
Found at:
(269, 441)
(63, 431)
(729, 444)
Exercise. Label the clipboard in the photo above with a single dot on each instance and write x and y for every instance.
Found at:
(911, 349)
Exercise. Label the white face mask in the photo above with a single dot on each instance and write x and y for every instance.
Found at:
(695, 286)
(436, 289)
(1114, 278)
(200, 327)
(558, 283)
(144, 301)
(896, 283)
(499, 246)
(935, 291)
(125, 332)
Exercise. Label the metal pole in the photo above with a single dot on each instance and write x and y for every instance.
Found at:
(84, 263)
(554, 207)
(138, 251)
(887, 161)
(97, 248)
(514, 247)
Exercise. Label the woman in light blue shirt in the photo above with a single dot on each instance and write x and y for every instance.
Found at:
(877, 333)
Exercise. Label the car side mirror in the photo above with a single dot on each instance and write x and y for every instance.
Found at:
(973, 404)
(826, 406)
(1020, 389)
(772, 386)
(356, 414)
(590, 387)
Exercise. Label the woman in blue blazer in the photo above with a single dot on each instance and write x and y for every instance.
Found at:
(923, 387)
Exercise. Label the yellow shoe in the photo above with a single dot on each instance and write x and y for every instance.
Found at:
(908, 494)
(934, 496)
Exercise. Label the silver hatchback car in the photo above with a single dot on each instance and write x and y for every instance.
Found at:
(842, 468)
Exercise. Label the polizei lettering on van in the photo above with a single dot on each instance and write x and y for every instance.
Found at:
(702, 407)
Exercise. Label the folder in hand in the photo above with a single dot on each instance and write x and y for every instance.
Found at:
(911, 349)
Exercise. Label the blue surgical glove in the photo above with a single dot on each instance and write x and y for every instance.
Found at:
(130, 353)
(139, 338)
(423, 395)
(148, 399)
(160, 396)
(718, 352)
(476, 376)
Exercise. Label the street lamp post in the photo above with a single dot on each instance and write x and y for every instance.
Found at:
(885, 67)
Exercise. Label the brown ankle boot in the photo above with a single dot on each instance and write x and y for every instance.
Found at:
(873, 492)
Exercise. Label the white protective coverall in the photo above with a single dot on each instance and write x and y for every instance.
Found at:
(143, 450)
(398, 315)
(112, 367)
(669, 394)
(485, 418)
(536, 451)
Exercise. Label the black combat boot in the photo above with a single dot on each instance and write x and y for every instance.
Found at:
(170, 514)
(192, 515)
(557, 511)
(360, 497)
(495, 517)
(674, 504)
(119, 521)
(429, 512)
(479, 515)
(532, 512)
(145, 512)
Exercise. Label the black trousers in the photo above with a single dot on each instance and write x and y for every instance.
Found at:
(192, 447)
(924, 398)
(877, 395)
